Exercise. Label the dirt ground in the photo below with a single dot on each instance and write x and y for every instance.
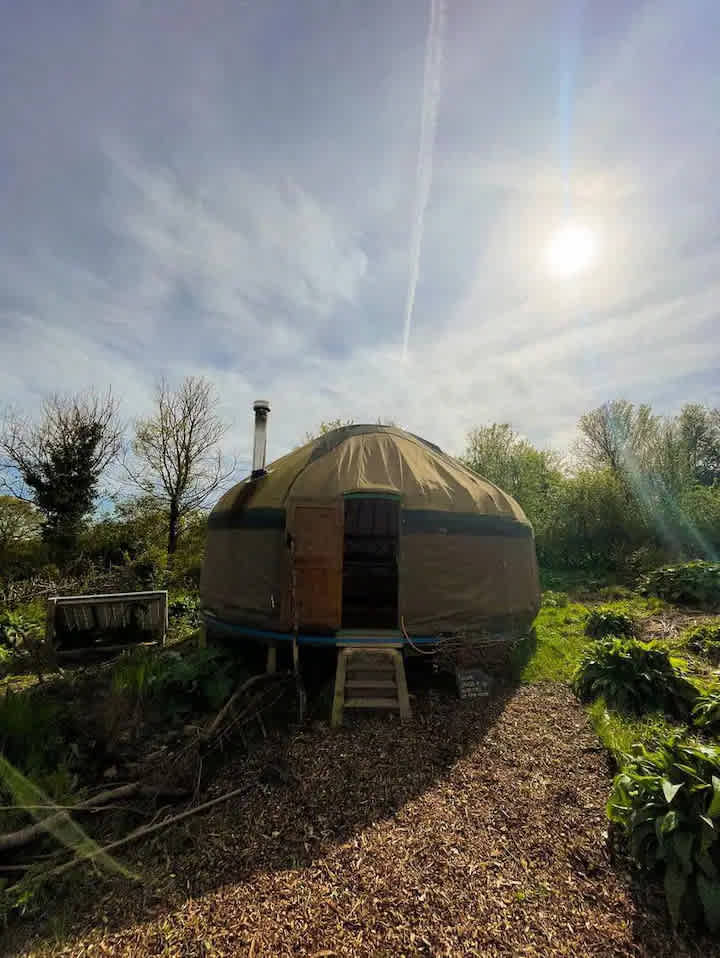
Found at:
(477, 830)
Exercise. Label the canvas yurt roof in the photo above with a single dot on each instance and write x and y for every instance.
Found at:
(372, 458)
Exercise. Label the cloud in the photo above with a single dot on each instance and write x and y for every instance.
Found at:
(206, 197)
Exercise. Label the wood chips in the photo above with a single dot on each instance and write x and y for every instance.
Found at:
(477, 830)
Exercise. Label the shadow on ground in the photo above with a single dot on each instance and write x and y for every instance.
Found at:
(309, 788)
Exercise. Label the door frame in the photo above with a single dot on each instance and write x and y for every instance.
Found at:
(393, 495)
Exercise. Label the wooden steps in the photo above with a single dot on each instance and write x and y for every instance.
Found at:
(368, 677)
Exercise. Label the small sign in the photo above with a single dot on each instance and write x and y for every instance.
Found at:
(472, 683)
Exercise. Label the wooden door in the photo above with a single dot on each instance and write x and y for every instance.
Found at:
(317, 531)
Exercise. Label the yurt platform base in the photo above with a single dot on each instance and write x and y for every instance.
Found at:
(387, 638)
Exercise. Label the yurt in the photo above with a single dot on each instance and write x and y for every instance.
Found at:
(367, 534)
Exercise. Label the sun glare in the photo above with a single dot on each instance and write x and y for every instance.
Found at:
(571, 250)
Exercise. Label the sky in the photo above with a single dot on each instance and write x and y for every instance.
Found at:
(256, 191)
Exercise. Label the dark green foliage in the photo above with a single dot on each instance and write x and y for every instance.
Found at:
(185, 606)
(554, 600)
(705, 640)
(175, 682)
(64, 483)
(30, 735)
(668, 804)
(633, 676)
(691, 583)
(604, 621)
(12, 628)
(60, 459)
(588, 522)
(706, 711)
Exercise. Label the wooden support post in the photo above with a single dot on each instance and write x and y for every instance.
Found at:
(402, 690)
(50, 620)
(271, 666)
(339, 696)
(164, 617)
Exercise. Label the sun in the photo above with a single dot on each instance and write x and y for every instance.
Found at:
(571, 250)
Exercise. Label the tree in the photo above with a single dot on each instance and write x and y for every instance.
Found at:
(592, 524)
(499, 454)
(618, 436)
(57, 462)
(20, 521)
(699, 432)
(329, 425)
(178, 460)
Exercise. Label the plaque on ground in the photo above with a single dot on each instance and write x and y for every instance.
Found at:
(472, 683)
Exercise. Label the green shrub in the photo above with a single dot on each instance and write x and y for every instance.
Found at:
(554, 600)
(667, 803)
(604, 621)
(705, 640)
(16, 627)
(633, 676)
(174, 682)
(706, 711)
(185, 605)
(30, 734)
(693, 583)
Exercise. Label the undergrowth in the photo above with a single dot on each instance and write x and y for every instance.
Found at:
(634, 677)
(667, 802)
(606, 621)
(690, 583)
(620, 733)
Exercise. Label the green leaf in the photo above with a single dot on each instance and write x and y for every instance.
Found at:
(675, 885)
(709, 892)
(714, 808)
(670, 790)
(682, 846)
(706, 863)
(669, 822)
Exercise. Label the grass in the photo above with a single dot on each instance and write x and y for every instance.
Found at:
(620, 732)
(560, 641)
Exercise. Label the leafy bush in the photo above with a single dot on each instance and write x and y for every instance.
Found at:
(706, 711)
(705, 640)
(172, 682)
(693, 583)
(30, 735)
(604, 621)
(554, 600)
(667, 802)
(185, 605)
(633, 676)
(16, 627)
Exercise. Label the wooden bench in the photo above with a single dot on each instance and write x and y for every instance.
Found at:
(98, 615)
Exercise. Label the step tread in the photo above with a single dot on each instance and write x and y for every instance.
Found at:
(370, 684)
(363, 703)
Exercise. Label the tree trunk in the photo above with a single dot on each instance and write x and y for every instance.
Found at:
(173, 529)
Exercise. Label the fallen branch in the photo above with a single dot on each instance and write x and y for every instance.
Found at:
(253, 680)
(24, 836)
(149, 830)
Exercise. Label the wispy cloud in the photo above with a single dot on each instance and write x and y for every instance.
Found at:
(236, 205)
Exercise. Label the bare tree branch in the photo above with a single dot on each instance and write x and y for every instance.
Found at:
(177, 459)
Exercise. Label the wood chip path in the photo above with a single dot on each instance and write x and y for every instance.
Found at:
(478, 830)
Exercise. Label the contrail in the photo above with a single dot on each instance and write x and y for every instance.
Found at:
(428, 122)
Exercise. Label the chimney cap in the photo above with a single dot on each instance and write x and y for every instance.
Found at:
(261, 404)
